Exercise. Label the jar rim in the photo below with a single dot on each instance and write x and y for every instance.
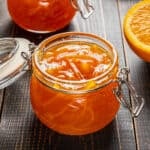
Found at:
(80, 35)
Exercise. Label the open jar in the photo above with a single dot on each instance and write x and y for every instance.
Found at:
(76, 83)
(44, 16)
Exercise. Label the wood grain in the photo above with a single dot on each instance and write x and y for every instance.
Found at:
(140, 77)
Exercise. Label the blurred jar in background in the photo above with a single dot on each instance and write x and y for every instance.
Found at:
(43, 16)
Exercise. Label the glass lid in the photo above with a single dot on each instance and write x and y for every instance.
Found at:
(12, 63)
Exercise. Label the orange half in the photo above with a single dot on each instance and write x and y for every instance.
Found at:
(137, 29)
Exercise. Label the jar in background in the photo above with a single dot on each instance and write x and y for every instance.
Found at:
(43, 16)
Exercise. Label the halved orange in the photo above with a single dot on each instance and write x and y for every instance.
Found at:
(137, 29)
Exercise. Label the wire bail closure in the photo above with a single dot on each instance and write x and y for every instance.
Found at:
(88, 8)
(28, 57)
(138, 100)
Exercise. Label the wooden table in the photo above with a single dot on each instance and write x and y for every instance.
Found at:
(21, 130)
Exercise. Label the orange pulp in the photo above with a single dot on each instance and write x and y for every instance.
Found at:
(137, 29)
(73, 113)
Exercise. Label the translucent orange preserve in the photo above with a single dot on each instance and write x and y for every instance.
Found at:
(41, 15)
(71, 86)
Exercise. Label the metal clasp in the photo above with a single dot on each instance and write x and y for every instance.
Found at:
(87, 7)
(28, 57)
(138, 100)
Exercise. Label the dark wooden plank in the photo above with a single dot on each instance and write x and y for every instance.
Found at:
(1, 101)
(113, 32)
(5, 30)
(140, 77)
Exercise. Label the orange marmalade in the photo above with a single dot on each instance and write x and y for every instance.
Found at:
(72, 83)
(41, 16)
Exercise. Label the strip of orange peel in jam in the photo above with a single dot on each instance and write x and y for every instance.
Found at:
(74, 114)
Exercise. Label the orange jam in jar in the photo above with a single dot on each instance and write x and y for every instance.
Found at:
(41, 16)
(72, 83)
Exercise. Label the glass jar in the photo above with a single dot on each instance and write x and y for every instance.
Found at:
(43, 16)
(80, 101)
(76, 85)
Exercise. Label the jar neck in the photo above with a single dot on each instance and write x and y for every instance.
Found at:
(73, 86)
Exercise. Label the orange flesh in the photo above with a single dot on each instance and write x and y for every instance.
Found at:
(74, 114)
(137, 29)
(41, 15)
